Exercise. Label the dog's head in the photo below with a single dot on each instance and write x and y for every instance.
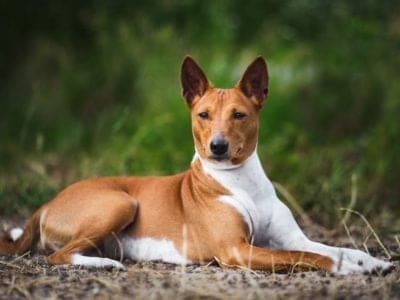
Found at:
(225, 121)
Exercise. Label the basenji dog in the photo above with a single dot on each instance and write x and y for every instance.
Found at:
(224, 208)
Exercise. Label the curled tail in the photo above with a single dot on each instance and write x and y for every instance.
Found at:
(18, 241)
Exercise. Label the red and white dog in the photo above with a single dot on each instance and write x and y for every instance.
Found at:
(224, 207)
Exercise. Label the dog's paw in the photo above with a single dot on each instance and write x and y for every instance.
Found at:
(349, 261)
(97, 262)
(110, 263)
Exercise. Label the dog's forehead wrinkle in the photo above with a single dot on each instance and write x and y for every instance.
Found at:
(225, 100)
(214, 103)
(218, 99)
(222, 91)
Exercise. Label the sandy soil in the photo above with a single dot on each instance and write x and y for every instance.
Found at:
(30, 277)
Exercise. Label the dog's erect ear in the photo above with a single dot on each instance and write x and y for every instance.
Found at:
(194, 82)
(254, 82)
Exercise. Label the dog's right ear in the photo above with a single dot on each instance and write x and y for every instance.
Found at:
(194, 82)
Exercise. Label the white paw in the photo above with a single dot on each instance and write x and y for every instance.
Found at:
(349, 261)
(16, 233)
(98, 262)
(107, 262)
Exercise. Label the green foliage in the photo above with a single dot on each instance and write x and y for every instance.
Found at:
(92, 89)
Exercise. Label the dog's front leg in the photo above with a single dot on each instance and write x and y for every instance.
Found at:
(252, 257)
(284, 233)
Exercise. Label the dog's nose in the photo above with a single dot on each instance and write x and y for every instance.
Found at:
(219, 146)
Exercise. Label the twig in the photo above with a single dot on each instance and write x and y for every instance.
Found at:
(184, 252)
(340, 262)
(250, 252)
(370, 228)
(23, 291)
(365, 243)
(366, 247)
(396, 257)
(184, 245)
(12, 285)
(397, 239)
(210, 263)
(89, 241)
(107, 283)
(10, 265)
(37, 282)
(349, 234)
(21, 256)
(353, 198)
(273, 268)
(121, 248)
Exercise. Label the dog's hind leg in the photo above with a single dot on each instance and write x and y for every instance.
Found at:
(93, 228)
(71, 254)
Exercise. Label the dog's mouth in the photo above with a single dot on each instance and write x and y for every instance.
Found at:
(219, 157)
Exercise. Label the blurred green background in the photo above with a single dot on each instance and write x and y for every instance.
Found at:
(91, 88)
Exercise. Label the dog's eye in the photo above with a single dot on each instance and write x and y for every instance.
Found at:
(203, 115)
(238, 115)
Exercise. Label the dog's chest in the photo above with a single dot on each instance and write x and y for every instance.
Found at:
(250, 193)
(254, 209)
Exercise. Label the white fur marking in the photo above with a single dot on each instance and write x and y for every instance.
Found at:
(240, 181)
(16, 233)
(146, 249)
(239, 200)
(98, 262)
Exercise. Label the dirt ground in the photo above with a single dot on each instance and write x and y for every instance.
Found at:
(30, 277)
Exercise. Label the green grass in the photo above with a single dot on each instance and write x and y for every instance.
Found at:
(99, 95)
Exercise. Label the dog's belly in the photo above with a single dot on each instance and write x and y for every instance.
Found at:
(148, 249)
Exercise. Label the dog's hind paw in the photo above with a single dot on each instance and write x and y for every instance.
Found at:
(98, 262)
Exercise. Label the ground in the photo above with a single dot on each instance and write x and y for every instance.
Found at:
(30, 277)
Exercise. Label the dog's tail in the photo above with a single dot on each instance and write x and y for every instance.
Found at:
(18, 241)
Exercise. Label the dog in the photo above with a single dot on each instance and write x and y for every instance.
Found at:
(223, 208)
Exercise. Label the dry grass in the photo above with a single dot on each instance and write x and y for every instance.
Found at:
(30, 277)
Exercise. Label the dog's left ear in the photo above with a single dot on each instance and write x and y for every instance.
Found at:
(254, 82)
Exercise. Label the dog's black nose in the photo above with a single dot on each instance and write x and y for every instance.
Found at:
(219, 146)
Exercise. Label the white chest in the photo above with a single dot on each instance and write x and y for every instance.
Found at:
(251, 193)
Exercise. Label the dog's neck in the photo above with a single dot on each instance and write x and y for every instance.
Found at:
(248, 176)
